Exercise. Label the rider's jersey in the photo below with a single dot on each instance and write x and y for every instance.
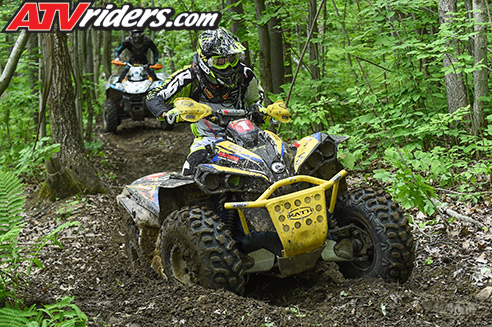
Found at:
(138, 54)
(186, 83)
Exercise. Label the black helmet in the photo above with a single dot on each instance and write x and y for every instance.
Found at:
(219, 52)
(137, 37)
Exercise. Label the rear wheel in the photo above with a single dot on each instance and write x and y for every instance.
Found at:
(195, 247)
(111, 119)
(383, 242)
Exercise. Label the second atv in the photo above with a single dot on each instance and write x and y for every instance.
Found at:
(126, 99)
(259, 205)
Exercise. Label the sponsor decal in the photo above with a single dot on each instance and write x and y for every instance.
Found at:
(41, 16)
(300, 213)
(228, 157)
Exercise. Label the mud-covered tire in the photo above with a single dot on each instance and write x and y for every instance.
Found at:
(392, 252)
(166, 126)
(111, 119)
(195, 247)
(133, 250)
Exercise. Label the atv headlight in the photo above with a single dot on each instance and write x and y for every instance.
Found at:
(328, 149)
(212, 181)
(314, 159)
(235, 181)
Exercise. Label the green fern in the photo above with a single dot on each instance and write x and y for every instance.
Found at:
(63, 312)
(18, 318)
(12, 202)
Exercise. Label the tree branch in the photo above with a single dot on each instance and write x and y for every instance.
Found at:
(9, 70)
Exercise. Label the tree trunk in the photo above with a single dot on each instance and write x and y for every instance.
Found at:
(236, 26)
(313, 47)
(237, 9)
(480, 54)
(96, 55)
(276, 53)
(264, 52)
(79, 54)
(42, 113)
(74, 173)
(347, 38)
(455, 87)
(90, 83)
(107, 54)
(11, 64)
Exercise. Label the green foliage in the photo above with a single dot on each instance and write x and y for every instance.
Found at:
(17, 261)
(61, 314)
(11, 205)
(390, 95)
(31, 162)
(408, 188)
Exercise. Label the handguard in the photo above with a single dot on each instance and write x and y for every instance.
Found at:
(278, 111)
(187, 109)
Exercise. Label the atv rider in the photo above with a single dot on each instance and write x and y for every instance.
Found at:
(216, 76)
(138, 44)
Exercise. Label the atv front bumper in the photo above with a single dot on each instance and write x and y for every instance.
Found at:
(300, 218)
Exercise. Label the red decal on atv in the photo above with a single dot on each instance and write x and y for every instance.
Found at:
(242, 125)
(228, 156)
(155, 175)
(28, 16)
(148, 192)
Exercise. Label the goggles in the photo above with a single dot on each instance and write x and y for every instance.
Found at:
(224, 62)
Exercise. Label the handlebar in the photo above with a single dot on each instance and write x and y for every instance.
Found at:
(187, 109)
(121, 63)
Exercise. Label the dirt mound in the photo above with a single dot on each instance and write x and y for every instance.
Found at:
(450, 285)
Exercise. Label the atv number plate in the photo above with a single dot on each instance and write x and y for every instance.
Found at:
(242, 125)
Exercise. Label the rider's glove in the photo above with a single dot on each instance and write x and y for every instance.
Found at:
(257, 113)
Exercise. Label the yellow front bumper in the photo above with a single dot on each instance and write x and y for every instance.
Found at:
(300, 218)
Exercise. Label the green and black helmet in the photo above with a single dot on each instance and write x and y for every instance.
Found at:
(219, 52)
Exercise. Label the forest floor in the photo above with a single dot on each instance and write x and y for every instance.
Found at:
(451, 284)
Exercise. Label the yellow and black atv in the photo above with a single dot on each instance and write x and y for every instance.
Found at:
(259, 205)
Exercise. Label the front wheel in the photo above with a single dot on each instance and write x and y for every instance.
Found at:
(166, 126)
(111, 119)
(195, 247)
(383, 242)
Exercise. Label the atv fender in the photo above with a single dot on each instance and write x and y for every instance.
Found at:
(152, 198)
(316, 155)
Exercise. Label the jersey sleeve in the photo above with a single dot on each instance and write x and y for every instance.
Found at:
(124, 45)
(154, 50)
(254, 92)
(161, 98)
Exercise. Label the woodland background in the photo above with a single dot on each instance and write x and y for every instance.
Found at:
(408, 81)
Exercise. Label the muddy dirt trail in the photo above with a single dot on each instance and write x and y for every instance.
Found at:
(451, 284)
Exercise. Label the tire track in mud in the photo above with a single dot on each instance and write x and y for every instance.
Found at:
(143, 148)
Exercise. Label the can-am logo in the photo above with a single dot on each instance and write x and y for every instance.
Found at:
(41, 16)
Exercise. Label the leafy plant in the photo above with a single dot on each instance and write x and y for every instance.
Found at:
(63, 313)
(14, 271)
(11, 205)
(30, 161)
